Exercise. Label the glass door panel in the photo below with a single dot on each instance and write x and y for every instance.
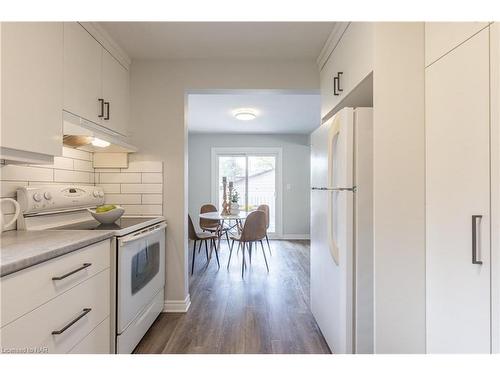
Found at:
(234, 168)
(262, 185)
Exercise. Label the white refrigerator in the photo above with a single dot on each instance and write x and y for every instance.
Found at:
(342, 230)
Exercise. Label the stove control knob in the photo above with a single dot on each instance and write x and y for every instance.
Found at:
(37, 197)
(101, 194)
(47, 196)
(95, 193)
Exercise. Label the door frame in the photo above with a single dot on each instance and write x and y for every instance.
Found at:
(264, 151)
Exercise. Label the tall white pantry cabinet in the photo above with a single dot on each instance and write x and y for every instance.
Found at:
(462, 146)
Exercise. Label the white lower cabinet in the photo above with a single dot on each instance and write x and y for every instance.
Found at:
(68, 315)
(458, 189)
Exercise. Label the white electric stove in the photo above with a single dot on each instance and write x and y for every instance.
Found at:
(138, 250)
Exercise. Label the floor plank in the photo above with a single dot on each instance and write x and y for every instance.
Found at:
(262, 313)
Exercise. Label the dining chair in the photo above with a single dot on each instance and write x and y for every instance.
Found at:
(265, 208)
(212, 226)
(202, 237)
(254, 230)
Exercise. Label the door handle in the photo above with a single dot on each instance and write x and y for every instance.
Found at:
(338, 82)
(335, 84)
(84, 312)
(475, 238)
(102, 108)
(85, 265)
(107, 110)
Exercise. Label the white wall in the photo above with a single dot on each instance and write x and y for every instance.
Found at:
(399, 188)
(158, 108)
(296, 166)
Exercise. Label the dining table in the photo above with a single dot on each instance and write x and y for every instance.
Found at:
(238, 218)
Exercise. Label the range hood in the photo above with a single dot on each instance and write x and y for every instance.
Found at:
(85, 135)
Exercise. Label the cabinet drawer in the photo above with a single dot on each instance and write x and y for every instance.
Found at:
(353, 56)
(97, 342)
(27, 289)
(35, 330)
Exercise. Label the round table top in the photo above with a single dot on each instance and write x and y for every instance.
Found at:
(219, 216)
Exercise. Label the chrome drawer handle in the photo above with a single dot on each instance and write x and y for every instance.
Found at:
(85, 312)
(85, 265)
(475, 238)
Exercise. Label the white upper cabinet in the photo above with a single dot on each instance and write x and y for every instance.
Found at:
(442, 37)
(350, 62)
(31, 88)
(82, 72)
(96, 85)
(115, 90)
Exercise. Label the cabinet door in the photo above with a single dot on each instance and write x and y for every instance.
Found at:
(352, 57)
(458, 187)
(82, 72)
(442, 37)
(115, 83)
(32, 82)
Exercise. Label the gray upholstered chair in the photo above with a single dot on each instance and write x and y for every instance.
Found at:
(202, 237)
(265, 208)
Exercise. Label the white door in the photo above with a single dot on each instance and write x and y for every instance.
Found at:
(332, 230)
(115, 91)
(82, 73)
(458, 189)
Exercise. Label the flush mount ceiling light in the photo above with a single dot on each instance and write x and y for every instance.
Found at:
(100, 143)
(245, 114)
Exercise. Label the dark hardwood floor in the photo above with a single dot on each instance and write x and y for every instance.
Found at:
(262, 313)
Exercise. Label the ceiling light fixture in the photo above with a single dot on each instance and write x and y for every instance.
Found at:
(245, 114)
(97, 142)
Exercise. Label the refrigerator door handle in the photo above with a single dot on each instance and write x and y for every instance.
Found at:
(353, 189)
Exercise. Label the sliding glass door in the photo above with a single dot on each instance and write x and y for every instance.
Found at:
(255, 174)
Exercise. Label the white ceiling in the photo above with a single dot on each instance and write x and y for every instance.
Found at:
(283, 112)
(220, 40)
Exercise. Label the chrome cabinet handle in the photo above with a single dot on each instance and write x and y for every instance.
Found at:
(84, 312)
(475, 239)
(354, 188)
(338, 81)
(335, 84)
(85, 265)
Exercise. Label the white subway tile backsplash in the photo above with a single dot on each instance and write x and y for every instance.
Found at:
(119, 177)
(8, 188)
(142, 209)
(152, 199)
(144, 166)
(107, 170)
(110, 188)
(142, 188)
(72, 176)
(25, 173)
(76, 154)
(155, 178)
(83, 165)
(123, 199)
(61, 162)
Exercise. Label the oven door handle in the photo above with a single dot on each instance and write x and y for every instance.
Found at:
(143, 234)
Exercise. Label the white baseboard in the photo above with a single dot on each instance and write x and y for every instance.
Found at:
(290, 237)
(178, 306)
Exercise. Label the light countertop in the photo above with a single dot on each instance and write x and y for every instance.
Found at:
(23, 249)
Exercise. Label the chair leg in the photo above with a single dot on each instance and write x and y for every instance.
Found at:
(227, 238)
(250, 253)
(216, 253)
(269, 246)
(243, 262)
(231, 253)
(206, 248)
(263, 252)
(199, 248)
(194, 255)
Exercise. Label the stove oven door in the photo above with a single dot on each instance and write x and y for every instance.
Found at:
(141, 272)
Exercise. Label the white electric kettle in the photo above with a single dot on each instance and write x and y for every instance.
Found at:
(16, 214)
